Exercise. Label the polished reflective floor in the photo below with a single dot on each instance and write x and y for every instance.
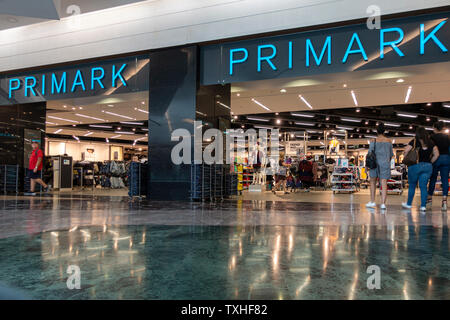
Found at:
(236, 249)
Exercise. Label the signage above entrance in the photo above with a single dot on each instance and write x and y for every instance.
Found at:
(399, 42)
(82, 80)
(60, 83)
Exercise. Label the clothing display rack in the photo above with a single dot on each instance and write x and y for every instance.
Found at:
(345, 179)
(137, 179)
(9, 178)
(396, 184)
(212, 182)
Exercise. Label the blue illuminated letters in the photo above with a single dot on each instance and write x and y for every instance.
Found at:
(266, 58)
(80, 79)
(360, 49)
(243, 59)
(392, 44)
(309, 47)
(118, 74)
(13, 87)
(432, 35)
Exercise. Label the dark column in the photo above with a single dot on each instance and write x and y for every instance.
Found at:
(172, 101)
(20, 123)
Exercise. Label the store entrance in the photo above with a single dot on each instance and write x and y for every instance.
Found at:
(100, 137)
(326, 123)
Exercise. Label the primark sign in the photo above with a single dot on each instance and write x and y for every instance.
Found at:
(104, 77)
(59, 82)
(399, 42)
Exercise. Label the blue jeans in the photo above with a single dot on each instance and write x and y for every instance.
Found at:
(419, 173)
(441, 165)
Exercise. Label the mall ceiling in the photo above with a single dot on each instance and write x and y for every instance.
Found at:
(17, 13)
(382, 87)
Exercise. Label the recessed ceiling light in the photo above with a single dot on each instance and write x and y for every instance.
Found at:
(428, 104)
(64, 106)
(238, 94)
(278, 121)
(283, 90)
(358, 110)
(400, 80)
(344, 85)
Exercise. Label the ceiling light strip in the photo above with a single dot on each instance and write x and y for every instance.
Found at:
(118, 115)
(408, 94)
(304, 100)
(354, 98)
(89, 117)
(260, 104)
(62, 119)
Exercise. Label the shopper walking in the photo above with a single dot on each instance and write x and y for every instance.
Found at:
(427, 153)
(442, 164)
(382, 147)
(35, 165)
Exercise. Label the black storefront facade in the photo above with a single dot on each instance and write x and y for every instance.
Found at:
(191, 83)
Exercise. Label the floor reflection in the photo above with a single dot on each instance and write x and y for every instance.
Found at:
(231, 262)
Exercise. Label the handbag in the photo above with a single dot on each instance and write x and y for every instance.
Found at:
(412, 157)
(371, 158)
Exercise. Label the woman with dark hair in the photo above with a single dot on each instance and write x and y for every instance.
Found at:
(420, 172)
(382, 146)
(442, 164)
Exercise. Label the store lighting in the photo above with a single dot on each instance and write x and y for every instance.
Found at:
(283, 90)
(132, 123)
(409, 134)
(406, 115)
(140, 110)
(100, 126)
(408, 94)
(428, 104)
(444, 120)
(344, 85)
(429, 128)
(87, 134)
(223, 105)
(304, 100)
(428, 119)
(278, 121)
(345, 128)
(446, 131)
(370, 136)
(388, 124)
(124, 132)
(89, 117)
(117, 136)
(58, 131)
(258, 119)
(400, 80)
(263, 127)
(305, 115)
(311, 124)
(76, 138)
(260, 104)
(238, 94)
(354, 98)
(358, 110)
(48, 122)
(62, 119)
(445, 105)
(351, 119)
(118, 115)
(107, 140)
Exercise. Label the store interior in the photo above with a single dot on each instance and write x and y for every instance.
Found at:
(326, 123)
(100, 135)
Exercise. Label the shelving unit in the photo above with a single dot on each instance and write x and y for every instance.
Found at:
(395, 186)
(343, 180)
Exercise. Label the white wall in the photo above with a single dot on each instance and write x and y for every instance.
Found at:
(162, 23)
(74, 149)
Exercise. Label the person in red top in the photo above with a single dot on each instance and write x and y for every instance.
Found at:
(35, 166)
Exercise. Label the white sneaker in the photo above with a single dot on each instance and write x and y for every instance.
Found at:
(422, 209)
(383, 206)
(371, 204)
(405, 205)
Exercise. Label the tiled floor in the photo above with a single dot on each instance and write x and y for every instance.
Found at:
(314, 246)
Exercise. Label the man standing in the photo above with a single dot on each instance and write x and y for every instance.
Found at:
(35, 166)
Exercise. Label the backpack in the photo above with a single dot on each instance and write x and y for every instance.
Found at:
(371, 158)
